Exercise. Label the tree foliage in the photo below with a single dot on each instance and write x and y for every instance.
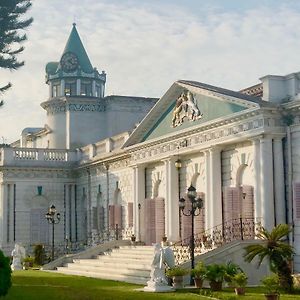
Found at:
(5, 274)
(11, 38)
(278, 252)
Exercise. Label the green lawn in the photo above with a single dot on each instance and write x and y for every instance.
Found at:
(44, 285)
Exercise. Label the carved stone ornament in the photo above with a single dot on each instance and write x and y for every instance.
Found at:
(185, 108)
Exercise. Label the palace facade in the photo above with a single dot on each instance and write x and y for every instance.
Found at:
(239, 149)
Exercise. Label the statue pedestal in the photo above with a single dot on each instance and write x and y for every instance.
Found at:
(154, 287)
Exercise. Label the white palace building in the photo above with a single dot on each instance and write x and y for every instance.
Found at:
(239, 149)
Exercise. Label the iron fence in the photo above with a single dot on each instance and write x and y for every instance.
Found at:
(233, 230)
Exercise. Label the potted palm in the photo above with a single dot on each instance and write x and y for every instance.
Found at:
(239, 281)
(231, 269)
(198, 273)
(177, 274)
(271, 284)
(215, 275)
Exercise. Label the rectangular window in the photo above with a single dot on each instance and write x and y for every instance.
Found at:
(86, 88)
(56, 90)
(98, 91)
(70, 88)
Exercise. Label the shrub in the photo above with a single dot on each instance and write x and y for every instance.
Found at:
(39, 254)
(215, 272)
(5, 274)
(176, 271)
(199, 271)
(271, 283)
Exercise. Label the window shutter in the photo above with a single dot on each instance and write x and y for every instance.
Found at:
(186, 221)
(296, 201)
(101, 224)
(112, 216)
(231, 205)
(130, 214)
(118, 216)
(159, 218)
(94, 217)
(248, 202)
(199, 220)
(149, 219)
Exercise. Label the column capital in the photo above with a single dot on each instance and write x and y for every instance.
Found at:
(215, 149)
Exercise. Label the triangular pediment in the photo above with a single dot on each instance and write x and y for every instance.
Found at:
(188, 104)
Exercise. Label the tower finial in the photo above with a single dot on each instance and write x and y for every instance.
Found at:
(74, 24)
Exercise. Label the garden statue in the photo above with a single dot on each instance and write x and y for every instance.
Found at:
(17, 254)
(162, 257)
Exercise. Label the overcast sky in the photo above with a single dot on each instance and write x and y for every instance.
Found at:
(144, 46)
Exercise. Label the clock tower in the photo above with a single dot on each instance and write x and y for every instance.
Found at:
(76, 98)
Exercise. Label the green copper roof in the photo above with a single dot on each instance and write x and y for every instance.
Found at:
(75, 45)
(51, 67)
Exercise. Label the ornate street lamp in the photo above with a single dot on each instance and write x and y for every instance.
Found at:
(197, 204)
(53, 218)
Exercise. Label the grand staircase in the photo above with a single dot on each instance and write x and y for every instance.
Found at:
(127, 263)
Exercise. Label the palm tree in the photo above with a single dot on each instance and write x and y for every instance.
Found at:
(275, 248)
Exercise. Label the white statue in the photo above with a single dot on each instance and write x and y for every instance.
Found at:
(17, 254)
(158, 281)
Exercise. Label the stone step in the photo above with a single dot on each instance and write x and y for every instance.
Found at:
(127, 263)
(103, 270)
(112, 264)
(125, 255)
(117, 277)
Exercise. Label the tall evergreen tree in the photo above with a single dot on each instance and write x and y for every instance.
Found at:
(12, 21)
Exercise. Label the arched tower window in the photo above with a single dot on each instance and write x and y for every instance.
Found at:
(55, 89)
(86, 88)
(70, 87)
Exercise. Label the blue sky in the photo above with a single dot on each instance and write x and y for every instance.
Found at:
(144, 46)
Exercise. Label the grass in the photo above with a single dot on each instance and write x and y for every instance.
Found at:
(38, 285)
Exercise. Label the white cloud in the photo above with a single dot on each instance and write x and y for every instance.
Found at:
(145, 47)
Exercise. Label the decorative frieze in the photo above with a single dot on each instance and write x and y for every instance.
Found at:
(211, 135)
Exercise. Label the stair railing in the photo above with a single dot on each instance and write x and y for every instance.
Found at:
(233, 230)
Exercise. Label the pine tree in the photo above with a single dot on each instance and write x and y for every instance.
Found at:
(11, 23)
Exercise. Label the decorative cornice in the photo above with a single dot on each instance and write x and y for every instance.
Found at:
(203, 138)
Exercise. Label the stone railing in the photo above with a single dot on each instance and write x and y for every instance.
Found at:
(36, 157)
(102, 148)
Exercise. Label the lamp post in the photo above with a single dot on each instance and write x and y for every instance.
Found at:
(53, 218)
(197, 204)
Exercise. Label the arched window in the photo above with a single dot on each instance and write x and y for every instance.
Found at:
(70, 88)
(86, 88)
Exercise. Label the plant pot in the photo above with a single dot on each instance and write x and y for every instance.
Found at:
(215, 285)
(198, 282)
(239, 291)
(133, 238)
(272, 296)
(178, 282)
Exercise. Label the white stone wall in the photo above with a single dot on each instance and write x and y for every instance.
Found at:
(26, 200)
(155, 180)
(233, 157)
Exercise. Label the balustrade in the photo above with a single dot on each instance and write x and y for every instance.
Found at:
(233, 230)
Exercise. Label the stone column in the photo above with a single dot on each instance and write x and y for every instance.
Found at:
(68, 213)
(257, 183)
(78, 87)
(171, 201)
(279, 187)
(266, 182)
(3, 219)
(62, 88)
(94, 88)
(207, 204)
(215, 187)
(138, 197)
